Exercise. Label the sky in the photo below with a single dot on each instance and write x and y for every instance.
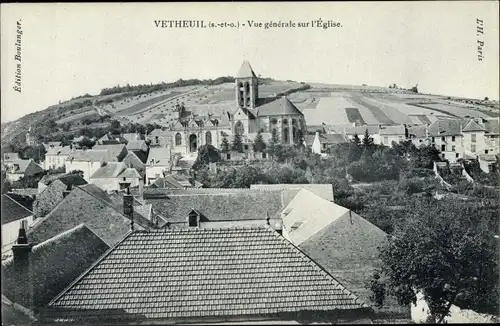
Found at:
(68, 50)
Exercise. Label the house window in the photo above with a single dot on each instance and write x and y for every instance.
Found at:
(473, 148)
(178, 139)
(193, 219)
(485, 151)
(443, 138)
(456, 155)
(156, 139)
(452, 138)
(473, 138)
(453, 148)
(433, 139)
(443, 148)
(228, 156)
(264, 155)
(208, 138)
(420, 140)
(386, 140)
(239, 128)
(246, 147)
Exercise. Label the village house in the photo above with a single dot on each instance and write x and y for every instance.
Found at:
(240, 274)
(373, 131)
(446, 136)
(158, 163)
(13, 213)
(37, 272)
(342, 242)
(56, 156)
(53, 189)
(88, 161)
(17, 169)
(111, 175)
(320, 143)
(390, 134)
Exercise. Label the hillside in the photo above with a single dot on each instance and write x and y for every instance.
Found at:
(320, 103)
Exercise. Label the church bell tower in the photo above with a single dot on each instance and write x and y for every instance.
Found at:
(247, 86)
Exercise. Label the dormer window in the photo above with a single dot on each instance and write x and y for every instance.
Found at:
(193, 219)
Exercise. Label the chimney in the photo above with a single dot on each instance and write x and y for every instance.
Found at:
(128, 207)
(23, 293)
(278, 227)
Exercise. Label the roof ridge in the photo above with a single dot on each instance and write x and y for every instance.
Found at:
(59, 236)
(107, 253)
(15, 201)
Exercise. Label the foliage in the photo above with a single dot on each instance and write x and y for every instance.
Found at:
(37, 153)
(273, 142)
(258, 144)
(28, 181)
(237, 145)
(446, 251)
(378, 290)
(206, 154)
(224, 145)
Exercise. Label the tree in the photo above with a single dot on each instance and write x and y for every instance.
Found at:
(447, 252)
(367, 140)
(486, 98)
(378, 290)
(271, 149)
(237, 143)
(6, 186)
(356, 140)
(224, 145)
(115, 124)
(258, 144)
(206, 154)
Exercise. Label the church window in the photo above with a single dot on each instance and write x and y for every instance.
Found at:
(274, 121)
(285, 121)
(178, 139)
(208, 138)
(239, 128)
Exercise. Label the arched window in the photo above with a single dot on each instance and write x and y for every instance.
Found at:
(285, 121)
(247, 87)
(208, 138)
(178, 139)
(239, 128)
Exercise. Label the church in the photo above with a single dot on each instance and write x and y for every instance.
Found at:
(251, 114)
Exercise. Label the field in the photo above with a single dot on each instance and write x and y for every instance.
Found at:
(331, 104)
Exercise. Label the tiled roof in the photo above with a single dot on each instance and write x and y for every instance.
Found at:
(133, 136)
(341, 241)
(114, 150)
(159, 132)
(139, 145)
(11, 156)
(473, 126)
(13, 315)
(12, 210)
(130, 173)
(89, 155)
(324, 191)
(446, 127)
(159, 155)
(417, 131)
(85, 204)
(133, 161)
(69, 179)
(25, 167)
(58, 150)
(392, 130)
(246, 71)
(360, 130)
(492, 126)
(56, 263)
(237, 273)
(280, 106)
(219, 206)
(314, 128)
(331, 139)
(110, 170)
(167, 182)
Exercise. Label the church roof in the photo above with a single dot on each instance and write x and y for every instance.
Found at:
(281, 106)
(246, 71)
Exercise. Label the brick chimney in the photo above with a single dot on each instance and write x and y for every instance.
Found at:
(128, 207)
(23, 292)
